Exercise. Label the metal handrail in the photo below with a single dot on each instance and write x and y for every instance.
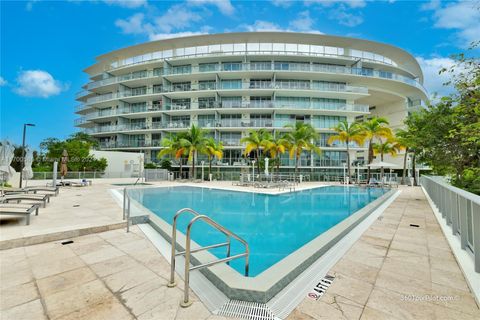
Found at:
(188, 251)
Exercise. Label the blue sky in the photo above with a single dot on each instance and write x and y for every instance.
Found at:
(45, 45)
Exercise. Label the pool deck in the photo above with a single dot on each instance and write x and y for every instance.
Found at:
(389, 273)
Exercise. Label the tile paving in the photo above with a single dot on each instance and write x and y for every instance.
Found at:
(115, 275)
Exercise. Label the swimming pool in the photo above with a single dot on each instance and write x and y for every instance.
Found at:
(273, 225)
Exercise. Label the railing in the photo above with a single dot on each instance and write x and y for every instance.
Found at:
(461, 211)
(284, 68)
(85, 175)
(188, 251)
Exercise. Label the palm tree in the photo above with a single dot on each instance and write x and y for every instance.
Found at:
(213, 149)
(302, 137)
(275, 145)
(255, 141)
(375, 128)
(347, 133)
(391, 146)
(172, 146)
(404, 138)
(193, 142)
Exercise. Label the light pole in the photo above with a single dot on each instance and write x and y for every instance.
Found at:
(23, 150)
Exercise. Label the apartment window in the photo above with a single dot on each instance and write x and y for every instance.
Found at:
(182, 69)
(208, 67)
(260, 83)
(138, 107)
(293, 102)
(231, 102)
(206, 120)
(327, 121)
(206, 102)
(232, 66)
(261, 102)
(260, 65)
(207, 85)
(158, 72)
(231, 84)
(158, 88)
(181, 103)
(139, 91)
(181, 86)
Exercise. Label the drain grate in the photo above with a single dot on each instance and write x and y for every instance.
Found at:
(246, 310)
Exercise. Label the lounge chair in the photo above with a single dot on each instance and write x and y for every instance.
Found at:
(19, 210)
(42, 198)
(34, 189)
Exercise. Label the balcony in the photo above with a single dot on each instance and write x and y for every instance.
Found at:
(176, 125)
(230, 142)
(261, 66)
(129, 144)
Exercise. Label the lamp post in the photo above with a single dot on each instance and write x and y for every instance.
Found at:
(23, 150)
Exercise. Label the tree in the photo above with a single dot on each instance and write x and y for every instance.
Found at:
(301, 137)
(375, 128)
(193, 141)
(391, 146)
(173, 147)
(213, 149)
(255, 141)
(405, 139)
(79, 158)
(347, 133)
(275, 145)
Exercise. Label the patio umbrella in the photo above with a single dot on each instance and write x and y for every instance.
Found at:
(63, 164)
(382, 164)
(27, 169)
(6, 157)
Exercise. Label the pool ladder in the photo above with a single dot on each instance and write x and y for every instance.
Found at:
(188, 251)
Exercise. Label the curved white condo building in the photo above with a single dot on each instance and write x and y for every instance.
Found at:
(230, 83)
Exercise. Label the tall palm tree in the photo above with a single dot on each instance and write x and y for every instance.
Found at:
(213, 149)
(193, 141)
(173, 147)
(391, 146)
(302, 137)
(275, 145)
(404, 138)
(347, 133)
(375, 128)
(255, 141)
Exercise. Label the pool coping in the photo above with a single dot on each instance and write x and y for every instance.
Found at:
(267, 284)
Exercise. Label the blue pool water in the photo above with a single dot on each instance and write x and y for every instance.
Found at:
(273, 225)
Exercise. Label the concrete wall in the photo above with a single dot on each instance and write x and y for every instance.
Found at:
(126, 162)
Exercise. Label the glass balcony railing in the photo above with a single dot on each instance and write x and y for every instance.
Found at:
(252, 66)
(176, 125)
(230, 142)
(129, 144)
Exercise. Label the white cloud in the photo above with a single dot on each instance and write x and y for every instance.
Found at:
(162, 36)
(131, 4)
(261, 25)
(176, 17)
(463, 16)
(433, 81)
(38, 83)
(329, 3)
(303, 23)
(132, 25)
(345, 18)
(225, 6)
(282, 3)
(3, 82)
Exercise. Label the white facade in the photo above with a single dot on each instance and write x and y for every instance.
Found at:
(126, 164)
(229, 83)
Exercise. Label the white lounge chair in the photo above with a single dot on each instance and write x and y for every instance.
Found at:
(19, 210)
(41, 198)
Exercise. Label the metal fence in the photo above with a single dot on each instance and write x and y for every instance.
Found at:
(85, 175)
(156, 175)
(461, 211)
